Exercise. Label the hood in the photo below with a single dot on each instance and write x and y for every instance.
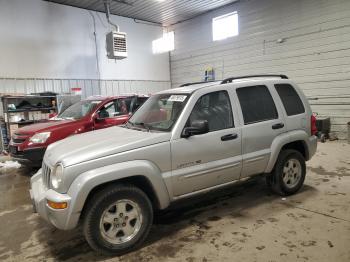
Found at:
(44, 126)
(100, 143)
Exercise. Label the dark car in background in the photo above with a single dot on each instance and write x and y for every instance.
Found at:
(28, 144)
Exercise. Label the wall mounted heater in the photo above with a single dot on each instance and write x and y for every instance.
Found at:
(116, 45)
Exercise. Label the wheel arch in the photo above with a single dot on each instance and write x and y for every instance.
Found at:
(139, 181)
(298, 145)
(143, 174)
(291, 140)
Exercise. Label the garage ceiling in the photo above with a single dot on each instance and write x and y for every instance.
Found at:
(165, 12)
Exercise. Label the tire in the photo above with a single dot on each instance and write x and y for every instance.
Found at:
(127, 217)
(288, 174)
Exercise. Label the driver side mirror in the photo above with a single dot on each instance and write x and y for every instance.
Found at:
(198, 127)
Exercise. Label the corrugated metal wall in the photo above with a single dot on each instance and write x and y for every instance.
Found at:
(315, 52)
(89, 87)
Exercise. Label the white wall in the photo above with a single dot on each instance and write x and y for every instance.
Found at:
(316, 53)
(45, 40)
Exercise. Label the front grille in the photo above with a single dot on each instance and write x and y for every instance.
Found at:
(19, 134)
(14, 151)
(18, 140)
(46, 173)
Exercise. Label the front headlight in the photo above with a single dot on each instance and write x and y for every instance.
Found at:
(57, 176)
(40, 138)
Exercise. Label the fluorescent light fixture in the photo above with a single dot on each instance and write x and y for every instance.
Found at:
(164, 44)
(225, 26)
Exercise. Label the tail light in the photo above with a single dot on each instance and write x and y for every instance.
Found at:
(313, 125)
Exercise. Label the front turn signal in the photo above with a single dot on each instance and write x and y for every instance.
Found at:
(57, 205)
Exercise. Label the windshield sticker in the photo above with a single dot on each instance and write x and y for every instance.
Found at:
(177, 98)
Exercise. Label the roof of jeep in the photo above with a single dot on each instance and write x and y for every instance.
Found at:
(190, 88)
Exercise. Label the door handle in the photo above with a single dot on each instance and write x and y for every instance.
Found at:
(229, 137)
(278, 126)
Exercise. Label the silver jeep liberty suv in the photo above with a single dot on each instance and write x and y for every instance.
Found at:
(180, 143)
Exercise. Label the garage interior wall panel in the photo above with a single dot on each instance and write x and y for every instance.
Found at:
(89, 87)
(55, 45)
(314, 52)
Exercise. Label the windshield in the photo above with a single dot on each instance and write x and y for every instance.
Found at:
(79, 110)
(159, 112)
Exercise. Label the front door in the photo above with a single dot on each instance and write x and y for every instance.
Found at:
(214, 158)
(113, 113)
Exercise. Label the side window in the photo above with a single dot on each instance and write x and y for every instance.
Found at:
(115, 108)
(290, 99)
(257, 104)
(123, 106)
(107, 110)
(216, 109)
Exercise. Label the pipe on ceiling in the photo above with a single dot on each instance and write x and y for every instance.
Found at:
(107, 4)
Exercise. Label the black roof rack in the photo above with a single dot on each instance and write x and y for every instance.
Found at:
(229, 80)
(196, 83)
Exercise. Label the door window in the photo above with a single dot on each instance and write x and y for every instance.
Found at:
(123, 106)
(107, 110)
(115, 108)
(256, 104)
(215, 108)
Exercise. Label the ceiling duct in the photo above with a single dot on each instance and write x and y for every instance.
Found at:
(107, 4)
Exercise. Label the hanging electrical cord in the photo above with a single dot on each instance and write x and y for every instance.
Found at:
(96, 49)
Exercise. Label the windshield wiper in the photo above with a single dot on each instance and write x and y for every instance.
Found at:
(126, 124)
(146, 126)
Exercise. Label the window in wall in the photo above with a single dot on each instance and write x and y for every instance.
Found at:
(290, 99)
(164, 44)
(225, 26)
(257, 104)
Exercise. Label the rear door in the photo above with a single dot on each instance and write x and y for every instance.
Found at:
(214, 158)
(263, 121)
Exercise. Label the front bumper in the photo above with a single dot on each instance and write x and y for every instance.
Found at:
(33, 156)
(63, 219)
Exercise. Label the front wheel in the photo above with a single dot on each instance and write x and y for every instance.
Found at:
(118, 219)
(289, 173)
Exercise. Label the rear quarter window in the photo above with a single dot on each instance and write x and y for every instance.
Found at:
(290, 99)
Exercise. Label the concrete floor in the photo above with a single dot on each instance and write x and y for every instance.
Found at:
(245, 222)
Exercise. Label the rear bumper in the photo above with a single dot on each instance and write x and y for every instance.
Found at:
(32, 156)
(312, 146)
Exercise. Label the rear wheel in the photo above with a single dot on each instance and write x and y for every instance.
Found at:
(289, 173)
(118, 219)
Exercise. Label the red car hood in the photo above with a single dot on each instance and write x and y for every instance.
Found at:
(49, 125)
